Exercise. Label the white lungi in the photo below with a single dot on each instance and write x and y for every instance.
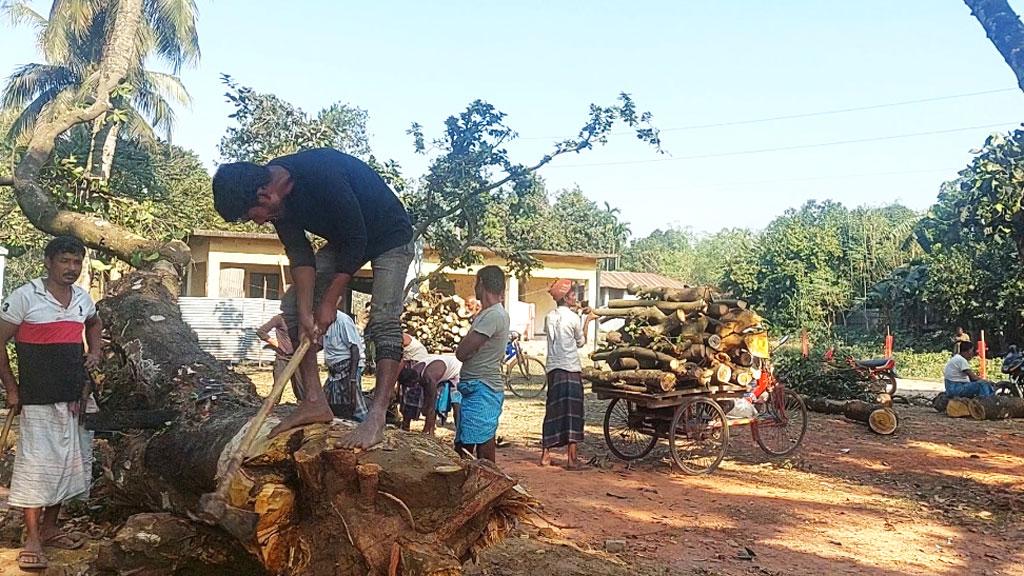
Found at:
(54, 457)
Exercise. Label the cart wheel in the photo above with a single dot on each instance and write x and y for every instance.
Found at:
(782, 426)
(889, 382)
(698, 436)
(623, 432)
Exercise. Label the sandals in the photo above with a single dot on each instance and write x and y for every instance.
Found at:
(65, 541)
(32, 560)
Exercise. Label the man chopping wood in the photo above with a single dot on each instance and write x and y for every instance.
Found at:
(47, 318)
(342, 200)
(480, 381)
(563, 413)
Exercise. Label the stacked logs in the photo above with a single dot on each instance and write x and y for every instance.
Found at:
(438, 321)
(676, 338)
(879, 416)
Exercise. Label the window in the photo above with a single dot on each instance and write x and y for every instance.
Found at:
(264, 286)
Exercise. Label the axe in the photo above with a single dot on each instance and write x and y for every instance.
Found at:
(213, 506)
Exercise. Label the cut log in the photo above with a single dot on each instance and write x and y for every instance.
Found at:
(879, 419)
(614, 337)
(301, 487)
(648, 314)
(714, 341)
(618, 386)
(742, 358)
(722, 373)
(996, 407)
(670, 294)
(658, 359)
(618, 363)
(958, 408)
(656, 380)
(742, 376)
(731, 303)
(697, 306)
(717, 309)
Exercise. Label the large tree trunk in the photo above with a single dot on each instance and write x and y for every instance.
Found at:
(320, 509)
(1004, 29)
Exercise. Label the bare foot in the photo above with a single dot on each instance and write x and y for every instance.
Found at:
(368, 434)
(305, 413)
(545, 458)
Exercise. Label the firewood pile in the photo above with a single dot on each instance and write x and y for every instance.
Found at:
(438, 321)
(677, 338)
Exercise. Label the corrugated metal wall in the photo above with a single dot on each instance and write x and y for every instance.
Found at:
(227, 326)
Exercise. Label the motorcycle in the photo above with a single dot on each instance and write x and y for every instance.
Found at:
(878, 374)
(1013, 367)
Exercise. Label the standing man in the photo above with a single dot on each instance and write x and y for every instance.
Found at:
(563, 414)
(281, 342)
(47, 317)
(342, 200)
(480, 382)
(343, 353)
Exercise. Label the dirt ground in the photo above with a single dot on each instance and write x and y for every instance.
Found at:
(942, 496)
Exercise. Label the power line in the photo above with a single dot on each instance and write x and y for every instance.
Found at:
(786, 148)
(808, 114)
(808, 179)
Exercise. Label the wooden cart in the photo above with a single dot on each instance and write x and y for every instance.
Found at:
(695, 424)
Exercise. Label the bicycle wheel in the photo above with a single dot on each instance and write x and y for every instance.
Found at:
(782, 426)
(525, 377)
(698, 436)
(623, 432)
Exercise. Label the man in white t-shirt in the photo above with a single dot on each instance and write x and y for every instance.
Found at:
(960, 379)
(343, 354)
(563, 414)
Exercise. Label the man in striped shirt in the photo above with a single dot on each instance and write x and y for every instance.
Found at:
(47, 318)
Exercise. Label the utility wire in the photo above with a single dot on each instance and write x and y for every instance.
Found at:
(808, 114)
(785, 148)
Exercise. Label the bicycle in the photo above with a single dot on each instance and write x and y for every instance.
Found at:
(524, 375)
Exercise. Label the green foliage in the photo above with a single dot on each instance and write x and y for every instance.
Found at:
(683, 255)
(971, 273)
(813, 376)
(474, 194)
(811, 265)
(268, 127)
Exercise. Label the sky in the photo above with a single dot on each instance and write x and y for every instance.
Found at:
(717, 76)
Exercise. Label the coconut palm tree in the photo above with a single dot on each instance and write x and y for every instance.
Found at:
(72, 40)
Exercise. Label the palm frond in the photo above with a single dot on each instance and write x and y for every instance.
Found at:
(19, 13)
(137, 128)
(28, 116)
(31, 80)
(155, 108)
(169, 86)
(175, 36)
(69, 20)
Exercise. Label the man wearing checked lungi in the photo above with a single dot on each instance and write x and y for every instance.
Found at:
(563, 415)
(481, 353)
(47, 318)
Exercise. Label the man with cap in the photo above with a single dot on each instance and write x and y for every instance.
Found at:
(344, 201)
(563, 414)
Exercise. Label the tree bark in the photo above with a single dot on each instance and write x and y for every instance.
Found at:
(314, 515)
(880, 419)
(996, 407)
(1003, 27)
(654, 380)
(118, 53)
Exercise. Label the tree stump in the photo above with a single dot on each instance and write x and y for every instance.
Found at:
(314, 516)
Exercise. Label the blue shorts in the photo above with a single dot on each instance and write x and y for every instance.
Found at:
(481, 408)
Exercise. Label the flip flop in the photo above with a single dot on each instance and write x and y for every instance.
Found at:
(65, 541)
(32, 560)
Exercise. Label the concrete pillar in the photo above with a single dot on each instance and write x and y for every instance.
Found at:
(212, 277)
(511, 290)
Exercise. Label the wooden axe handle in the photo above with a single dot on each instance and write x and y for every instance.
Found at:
(11, 413)
(256, 422)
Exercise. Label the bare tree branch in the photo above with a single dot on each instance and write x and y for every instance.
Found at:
(36, 203)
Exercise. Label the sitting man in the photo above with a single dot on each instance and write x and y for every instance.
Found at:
(961, 381)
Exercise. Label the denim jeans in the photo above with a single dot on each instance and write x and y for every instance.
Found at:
(968, 389)
(389, 274)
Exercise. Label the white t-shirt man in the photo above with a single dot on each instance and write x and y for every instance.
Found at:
(956, 369)
(340, 336)
(565, 337)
